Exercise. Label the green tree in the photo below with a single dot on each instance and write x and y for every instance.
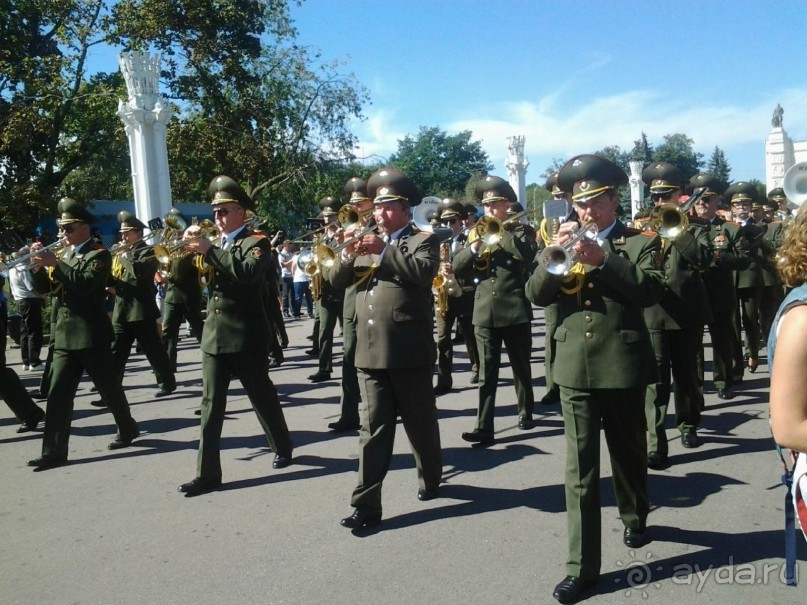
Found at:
(677, 150)
(439, 163)
(553, 168)
(761, 190)
(719, 166)
(642, 151)
(249, 101)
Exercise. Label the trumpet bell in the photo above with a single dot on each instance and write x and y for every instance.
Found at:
(556, 260)
(175, 222)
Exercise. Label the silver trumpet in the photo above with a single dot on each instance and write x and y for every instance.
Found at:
(54, 247)
(557, 259)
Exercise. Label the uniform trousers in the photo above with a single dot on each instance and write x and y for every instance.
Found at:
(620, 414)
(329, 312)
(750, 303)
(445, 345)
(551, 313)
(173, 316)
(351, 392)
(16, 397)
(30, 310)
(724, 345)
(518, 340)
(386, 394)
(675, 350)
(250, 368)
(146, 333)
(67, 368)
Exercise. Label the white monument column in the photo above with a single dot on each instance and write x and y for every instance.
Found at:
(636, 187)
(779, 155)
(145, 116)
(517, 167)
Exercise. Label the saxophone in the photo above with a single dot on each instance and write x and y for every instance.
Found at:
(440, 282)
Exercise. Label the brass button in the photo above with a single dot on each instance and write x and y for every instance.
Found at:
(493, 293)
(493, 280)
(590, 284)
(369, 322)
(588, 319)
(587, 303)
(589, 335)
(216, 298)
(66, 314)
(370, 307)
(218, 311)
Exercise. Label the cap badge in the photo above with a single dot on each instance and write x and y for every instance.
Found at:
(576, 163)
(584, 186)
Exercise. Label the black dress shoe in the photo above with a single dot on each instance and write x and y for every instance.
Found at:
(163, 392)
(427, 494)
(571, 588)
(274, 363)
(124, 439)
(312, 352)
(725, 393)
(31, 423)
(525, 423)
(634, 538)
(320, 377)
(551, 398)
(690, 440)
(474, 378)
(360, 519)
(199, 486)
(281, 461)
(341, 427)
(98, 403)
(476, 436)
(46, 462)
(441, 390)
(656, 461)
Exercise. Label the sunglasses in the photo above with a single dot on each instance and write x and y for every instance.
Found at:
(221, 211)
(67, 228)
(661, 196)
(449, 221)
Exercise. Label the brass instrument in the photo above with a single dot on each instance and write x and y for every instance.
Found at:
(55, 247)
(327, 255)
(794, 183)
(440, 281)
(127, 247)
(559, 260)
(671, 220)
(349, 216)
(167, 253)
(489, 229)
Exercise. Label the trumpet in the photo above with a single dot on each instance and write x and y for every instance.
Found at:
(489, 229)
(671, 220)
(557, 259)
(327, 255)
(54, 247)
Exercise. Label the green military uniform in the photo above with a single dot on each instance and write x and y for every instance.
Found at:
(729, 254)
(183, 301)
(551, 311)
(501, 311)
(458, 300)
(81, 339)
(328, 306)
(676, 323)
(356, 190)
(136, 312)
(603, 362)
(772, 291)
(11, 389)
(235, 337)
(395, 348)
(750, 280)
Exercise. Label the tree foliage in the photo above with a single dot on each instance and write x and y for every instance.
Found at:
(249, 101)
(642, 151)
(439, 163)
(677, 150)
(719, 166)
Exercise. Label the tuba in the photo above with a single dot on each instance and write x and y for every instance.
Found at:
(795, 183)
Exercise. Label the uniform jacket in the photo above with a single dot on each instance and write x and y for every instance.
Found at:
(183, 284)
(78, 282)
(759, 248)
(236, 310)
(134, 289)
(330, 294)
(602, 341)
(394, 310)
(684, 304)
(499, 300)
(772, 240)
(730, 253)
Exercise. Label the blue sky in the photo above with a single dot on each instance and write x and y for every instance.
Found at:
(571, 76)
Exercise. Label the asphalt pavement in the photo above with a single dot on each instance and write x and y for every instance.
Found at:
(111, 528)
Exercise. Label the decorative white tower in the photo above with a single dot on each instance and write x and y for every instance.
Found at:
(636, 188)
(517, 167)
(145, 116)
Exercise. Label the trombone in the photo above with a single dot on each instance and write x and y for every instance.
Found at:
(54, 247)
(671, 220)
